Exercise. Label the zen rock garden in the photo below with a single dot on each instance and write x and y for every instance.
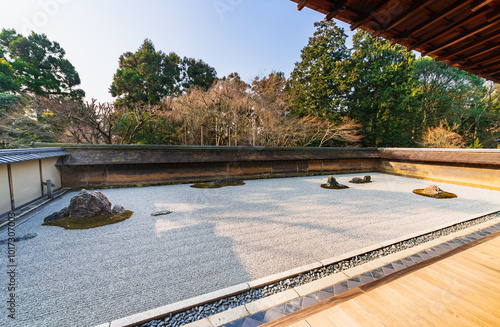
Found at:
(228, 181)
(434, 191)
(88, 210)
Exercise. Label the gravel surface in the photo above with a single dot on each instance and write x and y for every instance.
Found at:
(214, 238)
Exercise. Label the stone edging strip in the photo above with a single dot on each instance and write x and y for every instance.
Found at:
(348, 265)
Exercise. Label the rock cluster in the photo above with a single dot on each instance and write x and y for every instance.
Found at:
(365, 179)
(226, 181)
(433, 190)
(332, 182)
(86, 205)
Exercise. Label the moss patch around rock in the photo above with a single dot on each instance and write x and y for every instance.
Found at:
(360, 182)
(208, 185)
(87, 223)
(444, 195)
(334, 187)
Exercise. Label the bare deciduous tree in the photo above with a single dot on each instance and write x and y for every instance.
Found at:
(442, 136)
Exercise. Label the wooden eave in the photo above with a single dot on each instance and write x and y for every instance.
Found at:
(465, 34)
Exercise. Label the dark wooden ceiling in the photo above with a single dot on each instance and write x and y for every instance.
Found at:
(465, 33)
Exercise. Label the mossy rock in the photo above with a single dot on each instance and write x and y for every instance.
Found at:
(444, 195)
(209, 185)
(88, 223)
(335, 187)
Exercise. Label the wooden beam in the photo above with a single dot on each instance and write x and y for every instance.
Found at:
(41, 175)
(479, 4)
(11, 188)
(302, 4)
(487, 69)
(494, 76)
(450, 28)
(493, 15)
(431, 20)
(371, 13)
(339, 7)
(478, 29)
(471, 45)
(485, 62)
(480, 52)
(403, 16)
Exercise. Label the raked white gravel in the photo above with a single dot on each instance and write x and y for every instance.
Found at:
(214, 238)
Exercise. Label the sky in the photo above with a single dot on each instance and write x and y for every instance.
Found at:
(251, 37)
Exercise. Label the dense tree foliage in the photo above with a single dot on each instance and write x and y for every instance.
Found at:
(380, 85)
(147, 76)
(318, 82)
(7, 78)
(39, 66)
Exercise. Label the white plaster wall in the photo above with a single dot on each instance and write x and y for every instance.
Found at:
(26, 181)
(4, 190)
(50, 171)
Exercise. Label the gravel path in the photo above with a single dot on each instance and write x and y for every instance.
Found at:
(214, 238)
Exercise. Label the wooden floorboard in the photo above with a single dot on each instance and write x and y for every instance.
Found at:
(458, 289)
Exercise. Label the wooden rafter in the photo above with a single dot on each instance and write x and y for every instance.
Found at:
(371, 13)
(451, 9)
(302, 4)
(472, 44)
(451, 28)
(404, 15)
(478, 29)
(339, 7)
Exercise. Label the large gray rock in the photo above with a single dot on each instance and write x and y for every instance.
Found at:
(89, 204)
(226, 181)
(57, 216)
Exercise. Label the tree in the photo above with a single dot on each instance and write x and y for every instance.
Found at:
(197, 73)
(379, 97)
(147, 76)
(20, 125)
(218, 116)
(318, 82)
(455, 97)
(40, 66)
(442, 136)
(7, 78)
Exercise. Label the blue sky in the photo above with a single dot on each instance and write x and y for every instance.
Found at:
(251, 37)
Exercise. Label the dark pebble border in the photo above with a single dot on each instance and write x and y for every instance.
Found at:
(209, 309)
